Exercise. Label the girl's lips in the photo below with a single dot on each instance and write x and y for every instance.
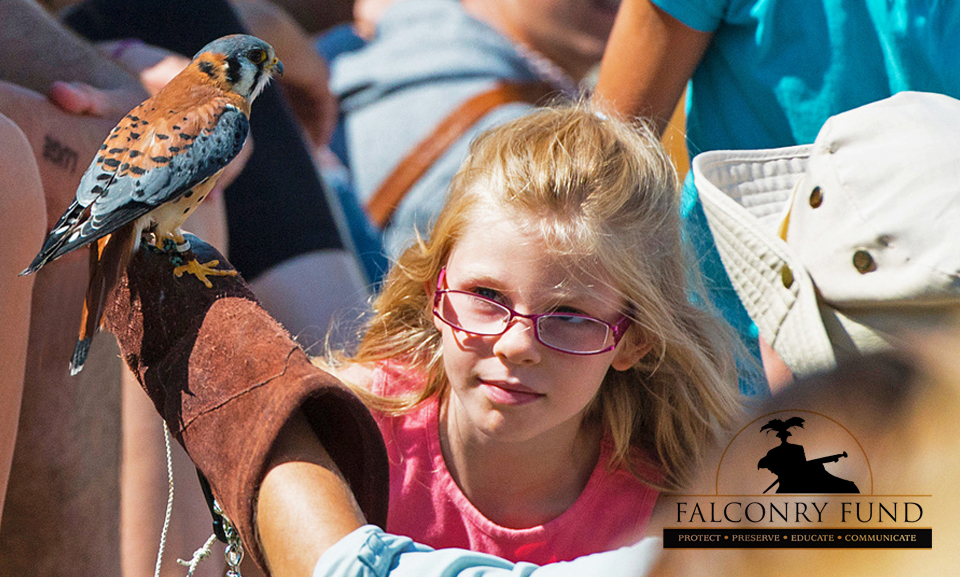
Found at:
(508, 394)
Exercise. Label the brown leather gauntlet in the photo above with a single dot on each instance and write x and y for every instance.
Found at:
(226, 377)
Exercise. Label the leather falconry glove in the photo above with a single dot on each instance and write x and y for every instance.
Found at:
(226, 377)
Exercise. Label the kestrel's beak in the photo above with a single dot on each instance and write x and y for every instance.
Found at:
(276, 67)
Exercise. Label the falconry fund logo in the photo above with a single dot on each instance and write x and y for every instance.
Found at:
(796, 474)
(797, 479)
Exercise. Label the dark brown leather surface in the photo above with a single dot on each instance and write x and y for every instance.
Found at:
(226, 377)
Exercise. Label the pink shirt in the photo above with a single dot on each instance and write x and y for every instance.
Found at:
(428, 506)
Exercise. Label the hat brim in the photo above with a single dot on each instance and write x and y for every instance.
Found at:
(745, 195)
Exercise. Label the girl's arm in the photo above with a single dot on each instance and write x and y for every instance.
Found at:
(305, 508)
(304, 504)
(648, 61)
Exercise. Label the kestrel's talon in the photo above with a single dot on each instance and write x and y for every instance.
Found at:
(202, 271)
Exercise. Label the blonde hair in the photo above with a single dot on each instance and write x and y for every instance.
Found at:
(603, 192)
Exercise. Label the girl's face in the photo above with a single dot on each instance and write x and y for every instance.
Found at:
(510, 387)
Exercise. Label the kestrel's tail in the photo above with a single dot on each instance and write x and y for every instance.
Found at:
(109, 257)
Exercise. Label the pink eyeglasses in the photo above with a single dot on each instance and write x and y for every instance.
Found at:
(571, 333)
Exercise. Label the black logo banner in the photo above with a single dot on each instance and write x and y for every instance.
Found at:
(796, 538)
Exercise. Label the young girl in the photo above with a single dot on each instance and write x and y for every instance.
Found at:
(536, 367)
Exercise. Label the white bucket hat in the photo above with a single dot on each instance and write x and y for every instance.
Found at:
(835, 247)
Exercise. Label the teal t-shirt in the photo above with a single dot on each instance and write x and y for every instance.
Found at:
(776, 70)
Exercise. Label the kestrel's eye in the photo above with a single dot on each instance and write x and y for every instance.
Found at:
(257, 56)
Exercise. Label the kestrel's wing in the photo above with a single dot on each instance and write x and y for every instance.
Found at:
(150, 158)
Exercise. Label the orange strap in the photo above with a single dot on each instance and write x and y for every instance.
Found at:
(385, 200)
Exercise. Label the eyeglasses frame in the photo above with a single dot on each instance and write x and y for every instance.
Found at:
(617, 329)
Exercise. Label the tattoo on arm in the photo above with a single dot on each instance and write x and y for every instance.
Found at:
(59, 154)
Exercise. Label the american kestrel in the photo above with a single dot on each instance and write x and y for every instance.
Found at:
(155, 168)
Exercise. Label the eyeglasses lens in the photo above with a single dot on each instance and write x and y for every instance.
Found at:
(473, 314)
(572, 333)
(477, 315)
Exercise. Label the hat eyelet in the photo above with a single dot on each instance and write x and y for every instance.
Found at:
(816, 197)
(786, 276)
(863, 262)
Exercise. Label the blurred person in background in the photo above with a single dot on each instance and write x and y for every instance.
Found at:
(428, 61)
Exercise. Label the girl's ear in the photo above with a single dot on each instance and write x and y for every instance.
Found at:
(430, 289)
(633, 347)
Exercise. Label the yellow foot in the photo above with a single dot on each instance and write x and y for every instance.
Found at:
(202, 271)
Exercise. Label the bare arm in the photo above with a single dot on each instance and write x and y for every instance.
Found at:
(63, 144)
(304, 505)
(38, 51)
(22, 224)
(648, 61)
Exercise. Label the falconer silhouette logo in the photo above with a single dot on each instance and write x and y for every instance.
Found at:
(793, 452)
(796, 474)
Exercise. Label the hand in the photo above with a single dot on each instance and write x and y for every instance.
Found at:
(82, 99)
(152, 65)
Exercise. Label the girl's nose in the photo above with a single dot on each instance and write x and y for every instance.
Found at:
(518, 344)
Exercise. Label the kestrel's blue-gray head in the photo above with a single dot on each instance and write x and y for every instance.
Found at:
(240, 63)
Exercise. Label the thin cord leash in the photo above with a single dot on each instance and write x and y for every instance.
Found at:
(166, 516)
(234, 552)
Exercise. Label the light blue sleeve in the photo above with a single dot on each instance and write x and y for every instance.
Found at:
(369, 552)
